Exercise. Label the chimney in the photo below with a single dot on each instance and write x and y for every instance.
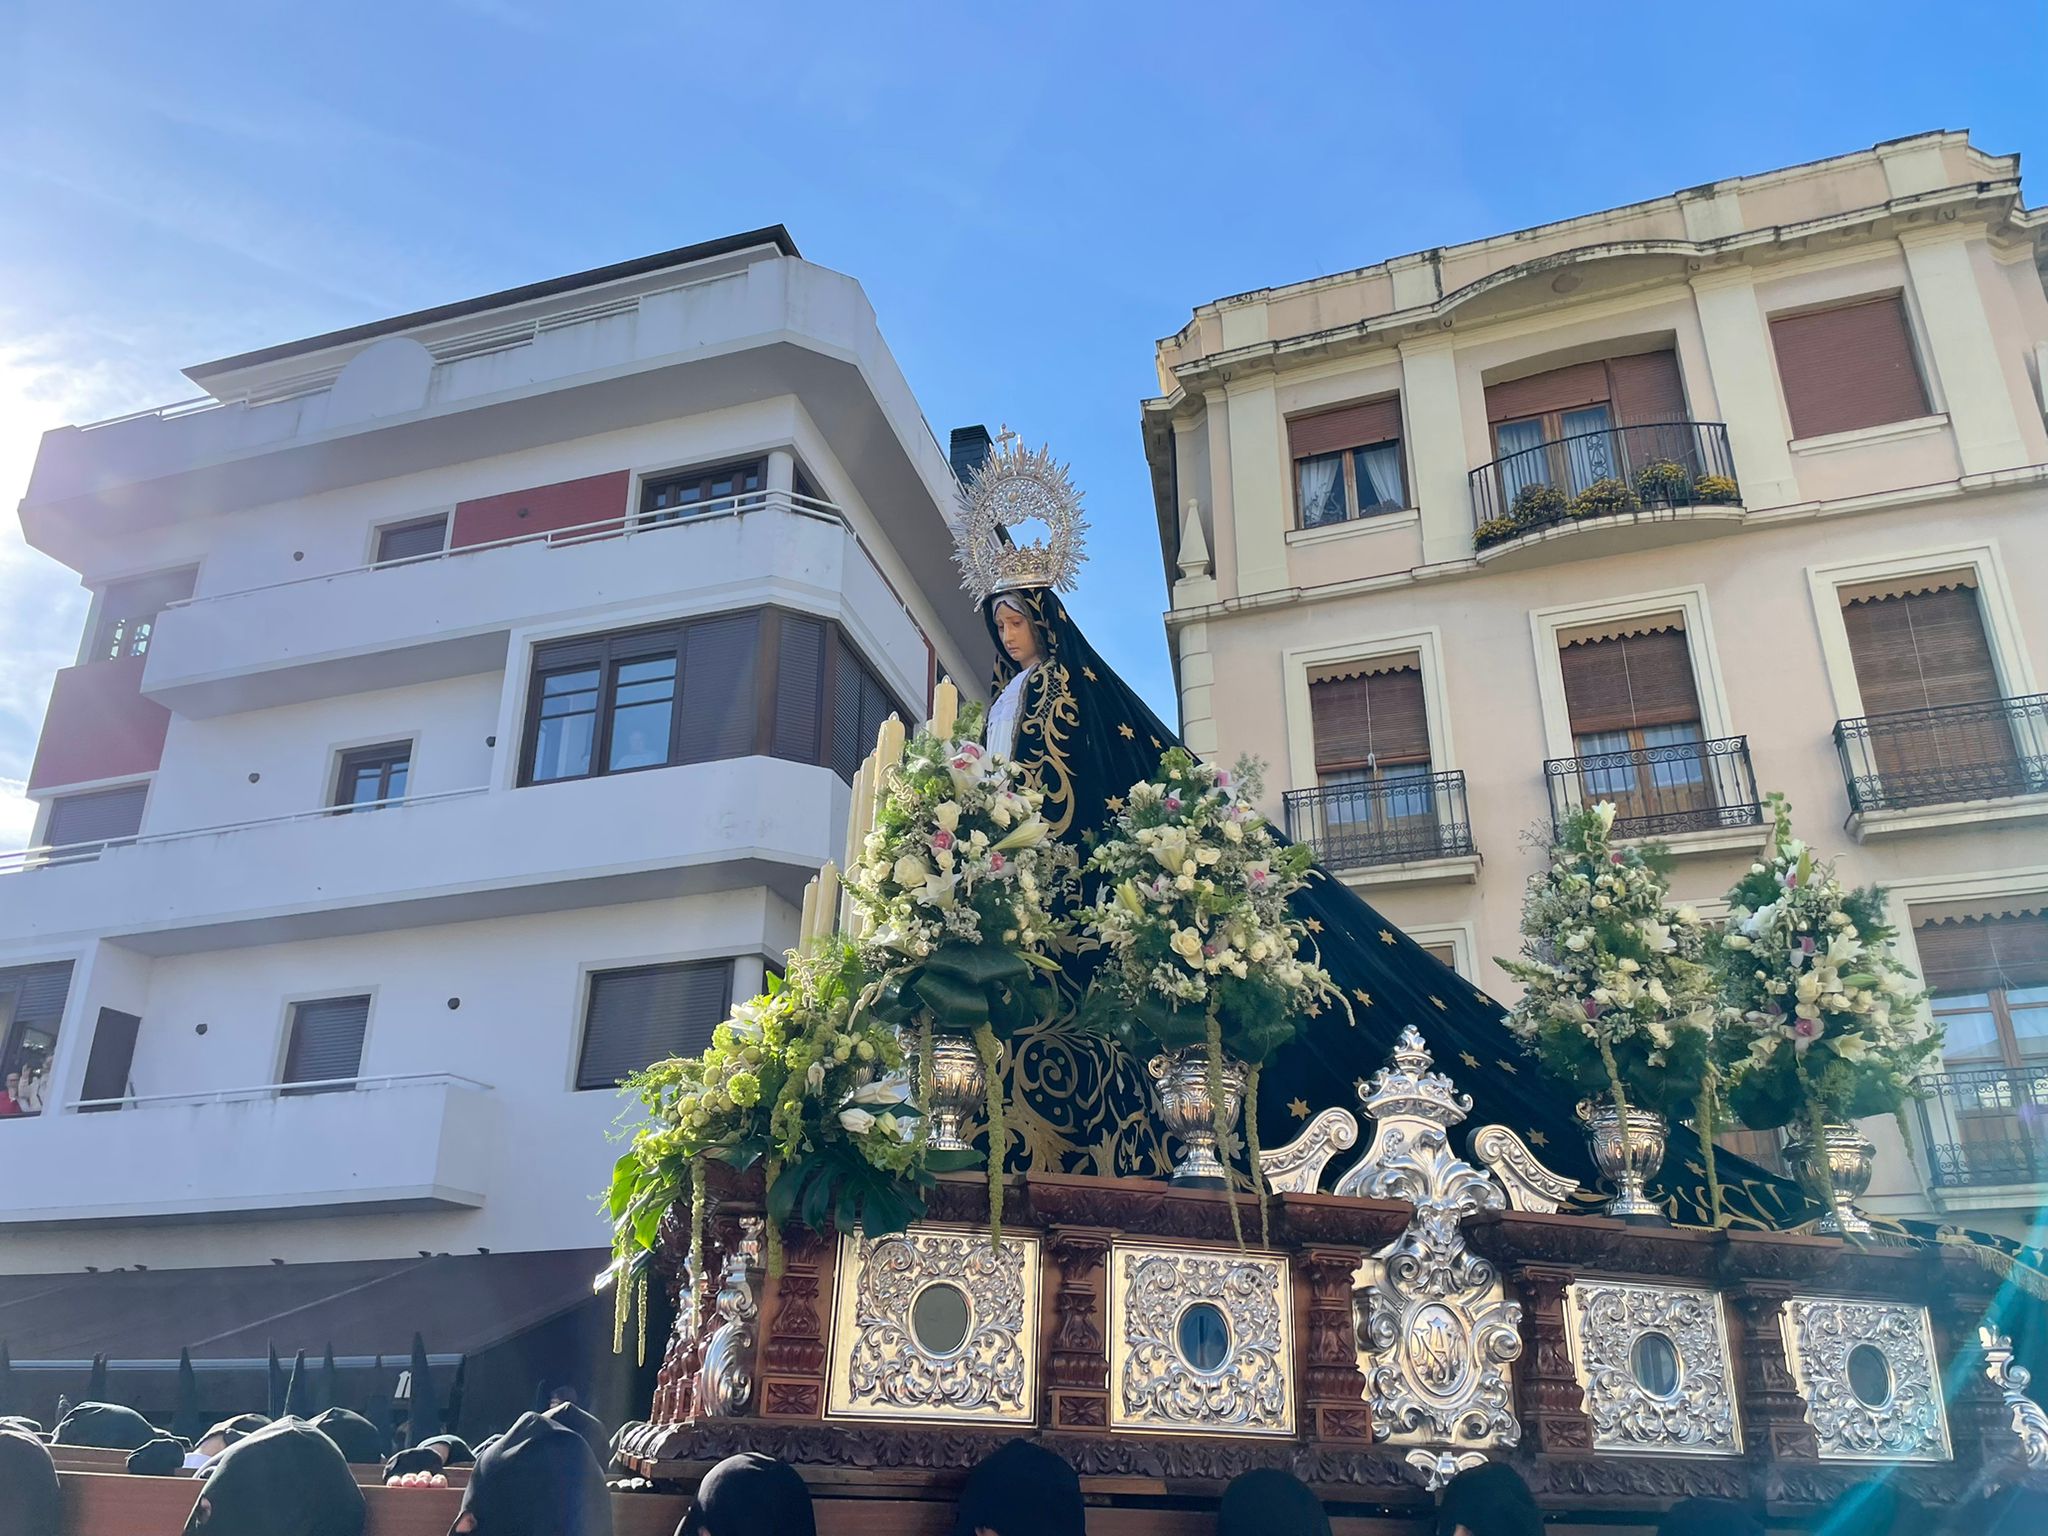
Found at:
(970, 450)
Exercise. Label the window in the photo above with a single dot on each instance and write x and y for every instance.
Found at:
(762, 682)
(326, 1046)
(665, 498)
(1372, 749)
(1918, 655)
(412, 540)
(371, 776)
(1571, 426)
(32, 999)
(128, 610)
(1848, 367)
(1347, 463)
(1989, 977)
(82, 825)
(642, 1014)
(1631, 700)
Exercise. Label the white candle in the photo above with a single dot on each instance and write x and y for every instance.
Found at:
(827, 914)
(945, 709)
(809, 920)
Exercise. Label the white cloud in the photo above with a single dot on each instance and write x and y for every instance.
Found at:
(17, 815)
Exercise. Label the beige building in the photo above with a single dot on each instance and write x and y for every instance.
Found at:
(1741, 489)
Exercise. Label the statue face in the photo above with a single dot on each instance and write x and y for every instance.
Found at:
(1019, 636)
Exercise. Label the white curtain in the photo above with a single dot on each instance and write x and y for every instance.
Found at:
(1322, 489)
(1379, 478)
(1522, 459)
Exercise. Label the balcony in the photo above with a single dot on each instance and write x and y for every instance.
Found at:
(1900, 767)
(394, 1143)
(1607, 490)
(734, 824)
(451, 613)
(1417, 827)
(1985, 1127)
(1686, 788)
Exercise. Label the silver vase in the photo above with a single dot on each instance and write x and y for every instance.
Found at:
(955, 1090)
(1628, 1162)
(1849, 1163)
(1182, 1080)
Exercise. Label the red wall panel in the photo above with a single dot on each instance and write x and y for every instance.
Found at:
(568, 504)
(99, 726)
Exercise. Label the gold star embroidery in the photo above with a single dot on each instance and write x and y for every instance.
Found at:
(1439, 1002)
(1386, 935)
(1315, 925)
(1089, 673)
(1486, 1000)
(1115, 802)
(1695, 1169)
(1538, 1139)
(1056, 608)
(1155, 743)
(1126, 732)
(1296, 1108)
(1508, 1067)
(1469, 1059)
(1362, 995)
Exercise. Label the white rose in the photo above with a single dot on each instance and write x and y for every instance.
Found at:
(1232, 832)
(943, 857)
(857, 1121)
(910, 872)
(1687, 916)
(947, 815)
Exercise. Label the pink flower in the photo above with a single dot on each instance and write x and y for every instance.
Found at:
(1173, 802)
(1592, 1008)
(996, 862)
(1806, 1029)
(1208, 949)
(1258, 876)
(1614, 858)
(942, 838)
(1223, 779)
(970, 750)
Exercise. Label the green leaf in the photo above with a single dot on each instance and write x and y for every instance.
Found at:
(978, 964)
(954, 1162)
(625, 1180)
(957, 1004)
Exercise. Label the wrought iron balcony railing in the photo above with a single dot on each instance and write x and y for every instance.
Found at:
(1688, 786)
(1395, 820)
(1986, 1125)
(1602, 474)
(1940, 756)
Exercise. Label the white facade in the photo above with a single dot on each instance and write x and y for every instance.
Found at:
(474, 914)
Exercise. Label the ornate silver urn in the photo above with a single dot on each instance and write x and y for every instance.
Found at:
(1849, 1163)
(1182, 1080)
(1627, 1163)
(955, 1090)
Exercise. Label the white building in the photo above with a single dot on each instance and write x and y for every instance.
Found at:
(385, 628)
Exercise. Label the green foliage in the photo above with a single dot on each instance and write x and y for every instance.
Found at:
(1536, 504)
(1494, 530)
(1715, 490)
(1664, 481)
(1603, 498)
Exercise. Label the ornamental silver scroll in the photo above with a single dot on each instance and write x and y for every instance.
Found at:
(1436, 1330)
(1654, 1363)
(1297, 1168)
(880, 1369)
(2029, 1423)
(1868, 1374)
(725, 1379)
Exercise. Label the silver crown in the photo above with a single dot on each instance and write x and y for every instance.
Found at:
(1016, 485)
(1410, 1088)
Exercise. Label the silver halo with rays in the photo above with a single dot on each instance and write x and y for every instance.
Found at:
(1016, 485)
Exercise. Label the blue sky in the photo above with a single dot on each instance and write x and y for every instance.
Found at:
(1030, 194)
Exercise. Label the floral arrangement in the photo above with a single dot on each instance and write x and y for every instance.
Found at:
(1664, 481)
(1618, 994)
(1604, 498)
(1494, 530)
(1827, 1024)
(963, 890)
(800, 1079)
(1202, 949)
(1534, 504)
(1714, 490)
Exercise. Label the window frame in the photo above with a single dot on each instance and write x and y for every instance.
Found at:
(289, 1089)
(106, 640)
(378, 534)
(1348, 472)
(389, 753)
(587, 999)
(605, 649)
(702, 476)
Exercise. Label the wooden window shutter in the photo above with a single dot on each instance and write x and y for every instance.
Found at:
(1560, 389)
(105, 816)
(1984, 954)
(113, 1054)
(327, 1040)
(1646, 389)
(1848, 367)
(648, 1013)
(1379, 718)
(1920, 650)
(1376, 421)
(39, 992)
(800, 690)
(848, 746)
(720, 705)
(1629, 680)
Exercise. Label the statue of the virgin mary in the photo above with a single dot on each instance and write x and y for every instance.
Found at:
(1064, 714)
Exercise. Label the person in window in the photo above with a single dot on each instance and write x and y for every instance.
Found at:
(35, 1078)
(10, 1103)
(638, 750)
